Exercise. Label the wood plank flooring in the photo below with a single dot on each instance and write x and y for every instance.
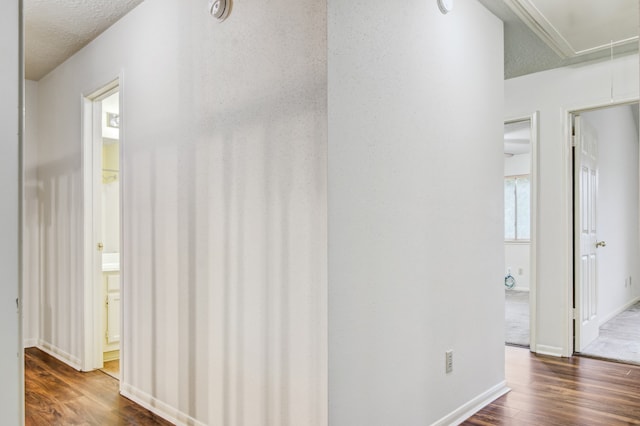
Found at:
(561, 391)
(545, 391)
(112, 368)
(56, 394)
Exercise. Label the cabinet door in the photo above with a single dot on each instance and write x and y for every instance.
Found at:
(113, 309)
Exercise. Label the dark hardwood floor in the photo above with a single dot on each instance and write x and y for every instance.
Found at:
(56, 394)
(561, 391)
(544, 391)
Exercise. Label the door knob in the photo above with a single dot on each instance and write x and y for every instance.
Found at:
(100, 246)
(601, 244)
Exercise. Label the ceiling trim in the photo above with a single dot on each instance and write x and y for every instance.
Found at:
(540, 25)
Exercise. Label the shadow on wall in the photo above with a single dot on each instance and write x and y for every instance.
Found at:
(227, 232)
(59, 196)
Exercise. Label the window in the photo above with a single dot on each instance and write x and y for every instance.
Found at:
(517, 210)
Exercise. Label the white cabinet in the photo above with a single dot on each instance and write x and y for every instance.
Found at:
(111, 315)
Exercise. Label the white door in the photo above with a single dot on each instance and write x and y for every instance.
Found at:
(586, 244)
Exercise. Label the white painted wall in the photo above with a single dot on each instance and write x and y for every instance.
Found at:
(11, 359)
(517, 165)
(110, 105)
(617, 215)
(552, 93)
(517, 255)
(59, 201)
(415, 210)
(111, 216)
(31, 226)
(110, 203)
(224, 134)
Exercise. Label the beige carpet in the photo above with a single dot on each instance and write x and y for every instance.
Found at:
(619, 337)
(516, 315)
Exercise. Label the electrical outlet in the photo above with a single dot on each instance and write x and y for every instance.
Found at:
(448, 355)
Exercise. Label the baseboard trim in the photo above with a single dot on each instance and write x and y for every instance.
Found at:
(476, 404)
(30, 343)
(618, 311)
(111, 355)
(549, 350)
(59, 354)
(158, 407)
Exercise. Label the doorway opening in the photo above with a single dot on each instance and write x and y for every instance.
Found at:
(520, 203)
(103, 232)
(606, 233)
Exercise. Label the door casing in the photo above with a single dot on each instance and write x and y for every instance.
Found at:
(92, 257)
(568, 113)
(533, 253)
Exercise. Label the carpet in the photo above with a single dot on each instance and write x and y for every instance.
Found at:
(516, 315)
(619, 337)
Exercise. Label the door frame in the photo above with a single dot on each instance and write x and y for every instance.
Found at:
(92, 260)
(533, 119)
(568, 114)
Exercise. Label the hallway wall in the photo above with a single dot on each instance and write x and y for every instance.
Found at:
(31, 226)
(224, 148)
(11, 358)
(553, 93)
(224, 208)
(415, 211)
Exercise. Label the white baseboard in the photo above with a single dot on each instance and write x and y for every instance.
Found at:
(516, 288)
(157, 407)
(618, 311)
(111, 355)
(549, 350)
(60, 355)
(29, 343)
(476, 404)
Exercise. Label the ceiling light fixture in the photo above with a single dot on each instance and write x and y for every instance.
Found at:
(445, 6)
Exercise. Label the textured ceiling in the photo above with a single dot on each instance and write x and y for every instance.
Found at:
(526, 53)
(56, 29)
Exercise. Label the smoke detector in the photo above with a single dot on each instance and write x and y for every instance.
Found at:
(219, 9)
(445, 6)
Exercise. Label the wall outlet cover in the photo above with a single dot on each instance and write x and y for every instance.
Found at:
(448, 361)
